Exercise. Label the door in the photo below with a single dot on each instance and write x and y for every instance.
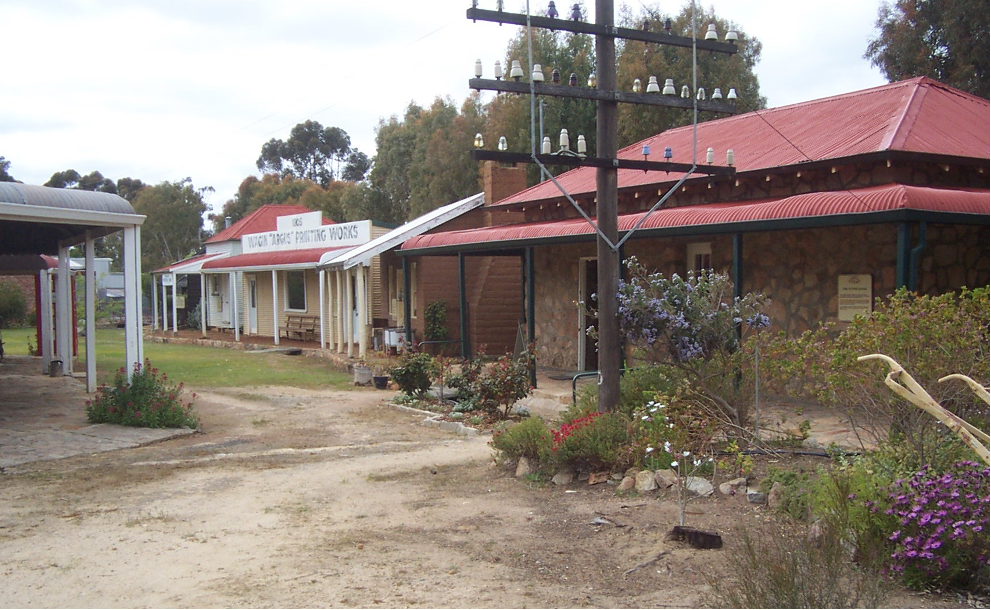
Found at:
(588, 355)
(252, 307)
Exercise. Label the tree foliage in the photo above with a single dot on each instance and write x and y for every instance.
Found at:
(71, 179)
(944, 40)
(174, 221)
(315, 153)
(641, 60)
(424, 159)
(509, 115)
(253, 193)
(4, 166)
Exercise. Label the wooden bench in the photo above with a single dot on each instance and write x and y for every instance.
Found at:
(300, 327)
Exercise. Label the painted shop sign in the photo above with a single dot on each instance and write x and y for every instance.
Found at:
(304, 231)
(855, 296)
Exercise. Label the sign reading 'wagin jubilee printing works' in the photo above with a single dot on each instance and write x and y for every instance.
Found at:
(305, 231)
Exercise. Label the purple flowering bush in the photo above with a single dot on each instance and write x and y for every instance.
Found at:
(148, 401)
(690, 325)
(941, 520)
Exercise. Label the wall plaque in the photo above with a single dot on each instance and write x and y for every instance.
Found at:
(855, 296)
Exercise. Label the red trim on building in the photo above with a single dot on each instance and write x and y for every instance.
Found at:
(272, 259)
(808, 205)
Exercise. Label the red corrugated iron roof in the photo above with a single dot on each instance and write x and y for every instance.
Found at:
(860, 201)
(310, 256)
(260, 221)
(918, 115)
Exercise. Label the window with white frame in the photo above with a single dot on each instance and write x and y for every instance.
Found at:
(295, 291)
(699, 256)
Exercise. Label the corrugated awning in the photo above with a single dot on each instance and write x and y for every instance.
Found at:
(860, 206)
(267, 261)
(192, 264)
(364, 253)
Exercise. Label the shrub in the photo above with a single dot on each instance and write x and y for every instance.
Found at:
(942, 520)
(637, 386)
(414, 372)
(782, 570)
(149, 401)
(691, 324)
(465, 380)
(495, 388)
(13, 305)
(668, 426)
(594, 442)
(194, 318)
(849, 500)
(435, 321)
(930, 336)
(530, 438)
(796, 494)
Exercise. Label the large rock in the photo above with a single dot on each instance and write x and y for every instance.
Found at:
(523, 467)
(731, 488)
(776, 496)
(626, 484)
(699, 486)
(665, 477)
(644, 481)
(756, 497)
(563, 477)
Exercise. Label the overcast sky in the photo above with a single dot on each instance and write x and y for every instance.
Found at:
(164, 89)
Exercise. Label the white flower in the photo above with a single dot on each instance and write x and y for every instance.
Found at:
(697, 462)
(653, 409)
(686, 453)
(667, 446)
(645, 418)
(670, 425)
(649, 449)
(674, 464)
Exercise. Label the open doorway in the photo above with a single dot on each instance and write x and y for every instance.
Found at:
(588, 282)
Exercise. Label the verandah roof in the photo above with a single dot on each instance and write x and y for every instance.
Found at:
(888, 203)
(267, 261)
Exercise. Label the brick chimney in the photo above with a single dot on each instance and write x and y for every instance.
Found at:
(500, 181)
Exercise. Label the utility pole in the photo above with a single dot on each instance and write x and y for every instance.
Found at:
(606, 208)
(605, 161)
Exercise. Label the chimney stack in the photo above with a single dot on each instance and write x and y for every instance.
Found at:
(499, 182)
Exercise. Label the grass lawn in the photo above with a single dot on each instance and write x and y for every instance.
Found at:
(197, 365)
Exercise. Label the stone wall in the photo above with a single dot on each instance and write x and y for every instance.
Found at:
(556, 304)
(798, 270)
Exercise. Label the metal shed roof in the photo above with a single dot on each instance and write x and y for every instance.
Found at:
(37, 219)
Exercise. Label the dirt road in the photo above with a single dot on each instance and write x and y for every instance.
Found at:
(294, 498)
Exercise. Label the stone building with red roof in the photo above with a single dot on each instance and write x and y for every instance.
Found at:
(835, 202)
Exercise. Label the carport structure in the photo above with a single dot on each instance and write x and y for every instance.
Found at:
(36, 220)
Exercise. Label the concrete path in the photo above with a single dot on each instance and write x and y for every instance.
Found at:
(44, 418)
